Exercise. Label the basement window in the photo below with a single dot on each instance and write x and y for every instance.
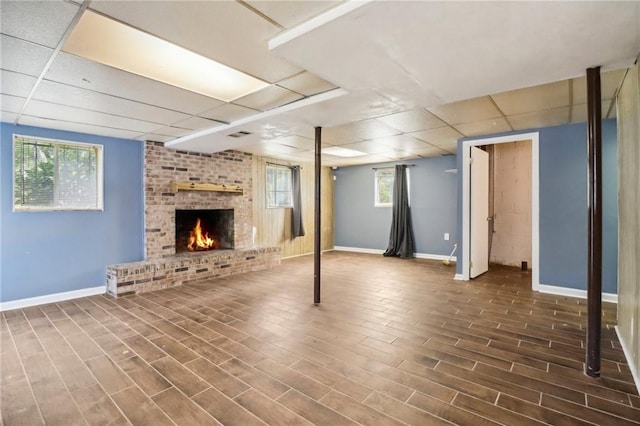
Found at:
(56, 175)
(383, 186)
(278, 185)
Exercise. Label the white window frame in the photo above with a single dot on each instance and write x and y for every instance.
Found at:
(376, 194)
(266, 189)
(60, 142)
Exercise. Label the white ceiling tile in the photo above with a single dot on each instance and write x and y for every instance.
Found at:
(551, 117)
(484, 127)
(42, 22)
(306, 84)
(16, 84)
(440, 137)
(269, 148)
(197, 123)
(10, 103)
(76, 115)
(174, 132)
(22, 56)
(359, 130)
(399, 155)
(63, 94)
(412, 121)
(229, 113)
(291, 13)
(536, 98)
(80, 72)
(298, 142)
(8, 117)
(28, 120)
(431, 151)
(579, 113)
(222, 30)
(449, 146)
(609, 83)
(476, 109)
(268, 98)
(403, 142)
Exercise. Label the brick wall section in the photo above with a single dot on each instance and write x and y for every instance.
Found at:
(149, 275)
(164, 165)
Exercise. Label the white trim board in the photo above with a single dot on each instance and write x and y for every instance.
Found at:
(627, 353)
(534, 137)
(377, 251)
(574, 292)
(52, 298)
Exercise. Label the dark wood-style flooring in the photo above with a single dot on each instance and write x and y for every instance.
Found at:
(394, 342)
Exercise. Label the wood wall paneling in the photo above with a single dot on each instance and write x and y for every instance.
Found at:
(273, 225)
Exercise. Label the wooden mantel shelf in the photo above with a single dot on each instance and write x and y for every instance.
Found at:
(196, 186)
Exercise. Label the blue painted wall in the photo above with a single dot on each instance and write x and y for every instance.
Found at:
(357, 223)
(563, 205)
(52, 252)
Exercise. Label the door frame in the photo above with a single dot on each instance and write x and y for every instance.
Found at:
(534, 137)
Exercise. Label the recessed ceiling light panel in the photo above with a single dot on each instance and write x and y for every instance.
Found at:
(113, 43)
(338, 151)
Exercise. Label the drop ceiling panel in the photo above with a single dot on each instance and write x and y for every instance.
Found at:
(306, 84)
(291, 13)
(546, 96)
(172, 132)
(10, 103)
(77, 127)
(80, 72)
(76, 115)
(87, 99)
(268, 98)
(552, 117)
(154, 137)
(412, 121)
(579, 113)
(462, 50)
(16, 84)
(484, 127)
(222, 30)
(402, 142)
(23, 57)
(229, 113)
(431, 151)
(8, 117)
(360, 130)
(298, 142)
(269, 148)
(609, 83)
(471, 110)
(197, 123)
(440, 137)
(41, 22)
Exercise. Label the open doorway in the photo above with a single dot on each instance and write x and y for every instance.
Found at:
(474, 248)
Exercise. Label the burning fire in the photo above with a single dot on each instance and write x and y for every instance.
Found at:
(199, 241)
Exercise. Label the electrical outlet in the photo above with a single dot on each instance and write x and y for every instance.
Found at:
(446, 236)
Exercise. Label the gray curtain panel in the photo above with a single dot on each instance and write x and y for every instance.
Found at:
(297, 227)
(401, 240)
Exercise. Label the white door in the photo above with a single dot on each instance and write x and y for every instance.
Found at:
(479, 210)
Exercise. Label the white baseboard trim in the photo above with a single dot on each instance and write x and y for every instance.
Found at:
(634, 368)
(376, 251)
(574, 292)
(52, 298)
(458, 277)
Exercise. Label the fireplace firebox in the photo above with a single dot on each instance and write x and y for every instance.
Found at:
(201, 230)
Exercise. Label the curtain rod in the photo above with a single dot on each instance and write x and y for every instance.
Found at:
(408, 165)
(282, 165)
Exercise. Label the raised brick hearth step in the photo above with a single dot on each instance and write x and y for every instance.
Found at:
(149, 275)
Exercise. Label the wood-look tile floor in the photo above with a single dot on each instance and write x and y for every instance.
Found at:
(394, 342)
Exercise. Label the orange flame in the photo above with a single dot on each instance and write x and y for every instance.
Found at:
(199, 241)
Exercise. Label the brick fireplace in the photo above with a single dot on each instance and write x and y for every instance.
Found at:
(164, 266)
